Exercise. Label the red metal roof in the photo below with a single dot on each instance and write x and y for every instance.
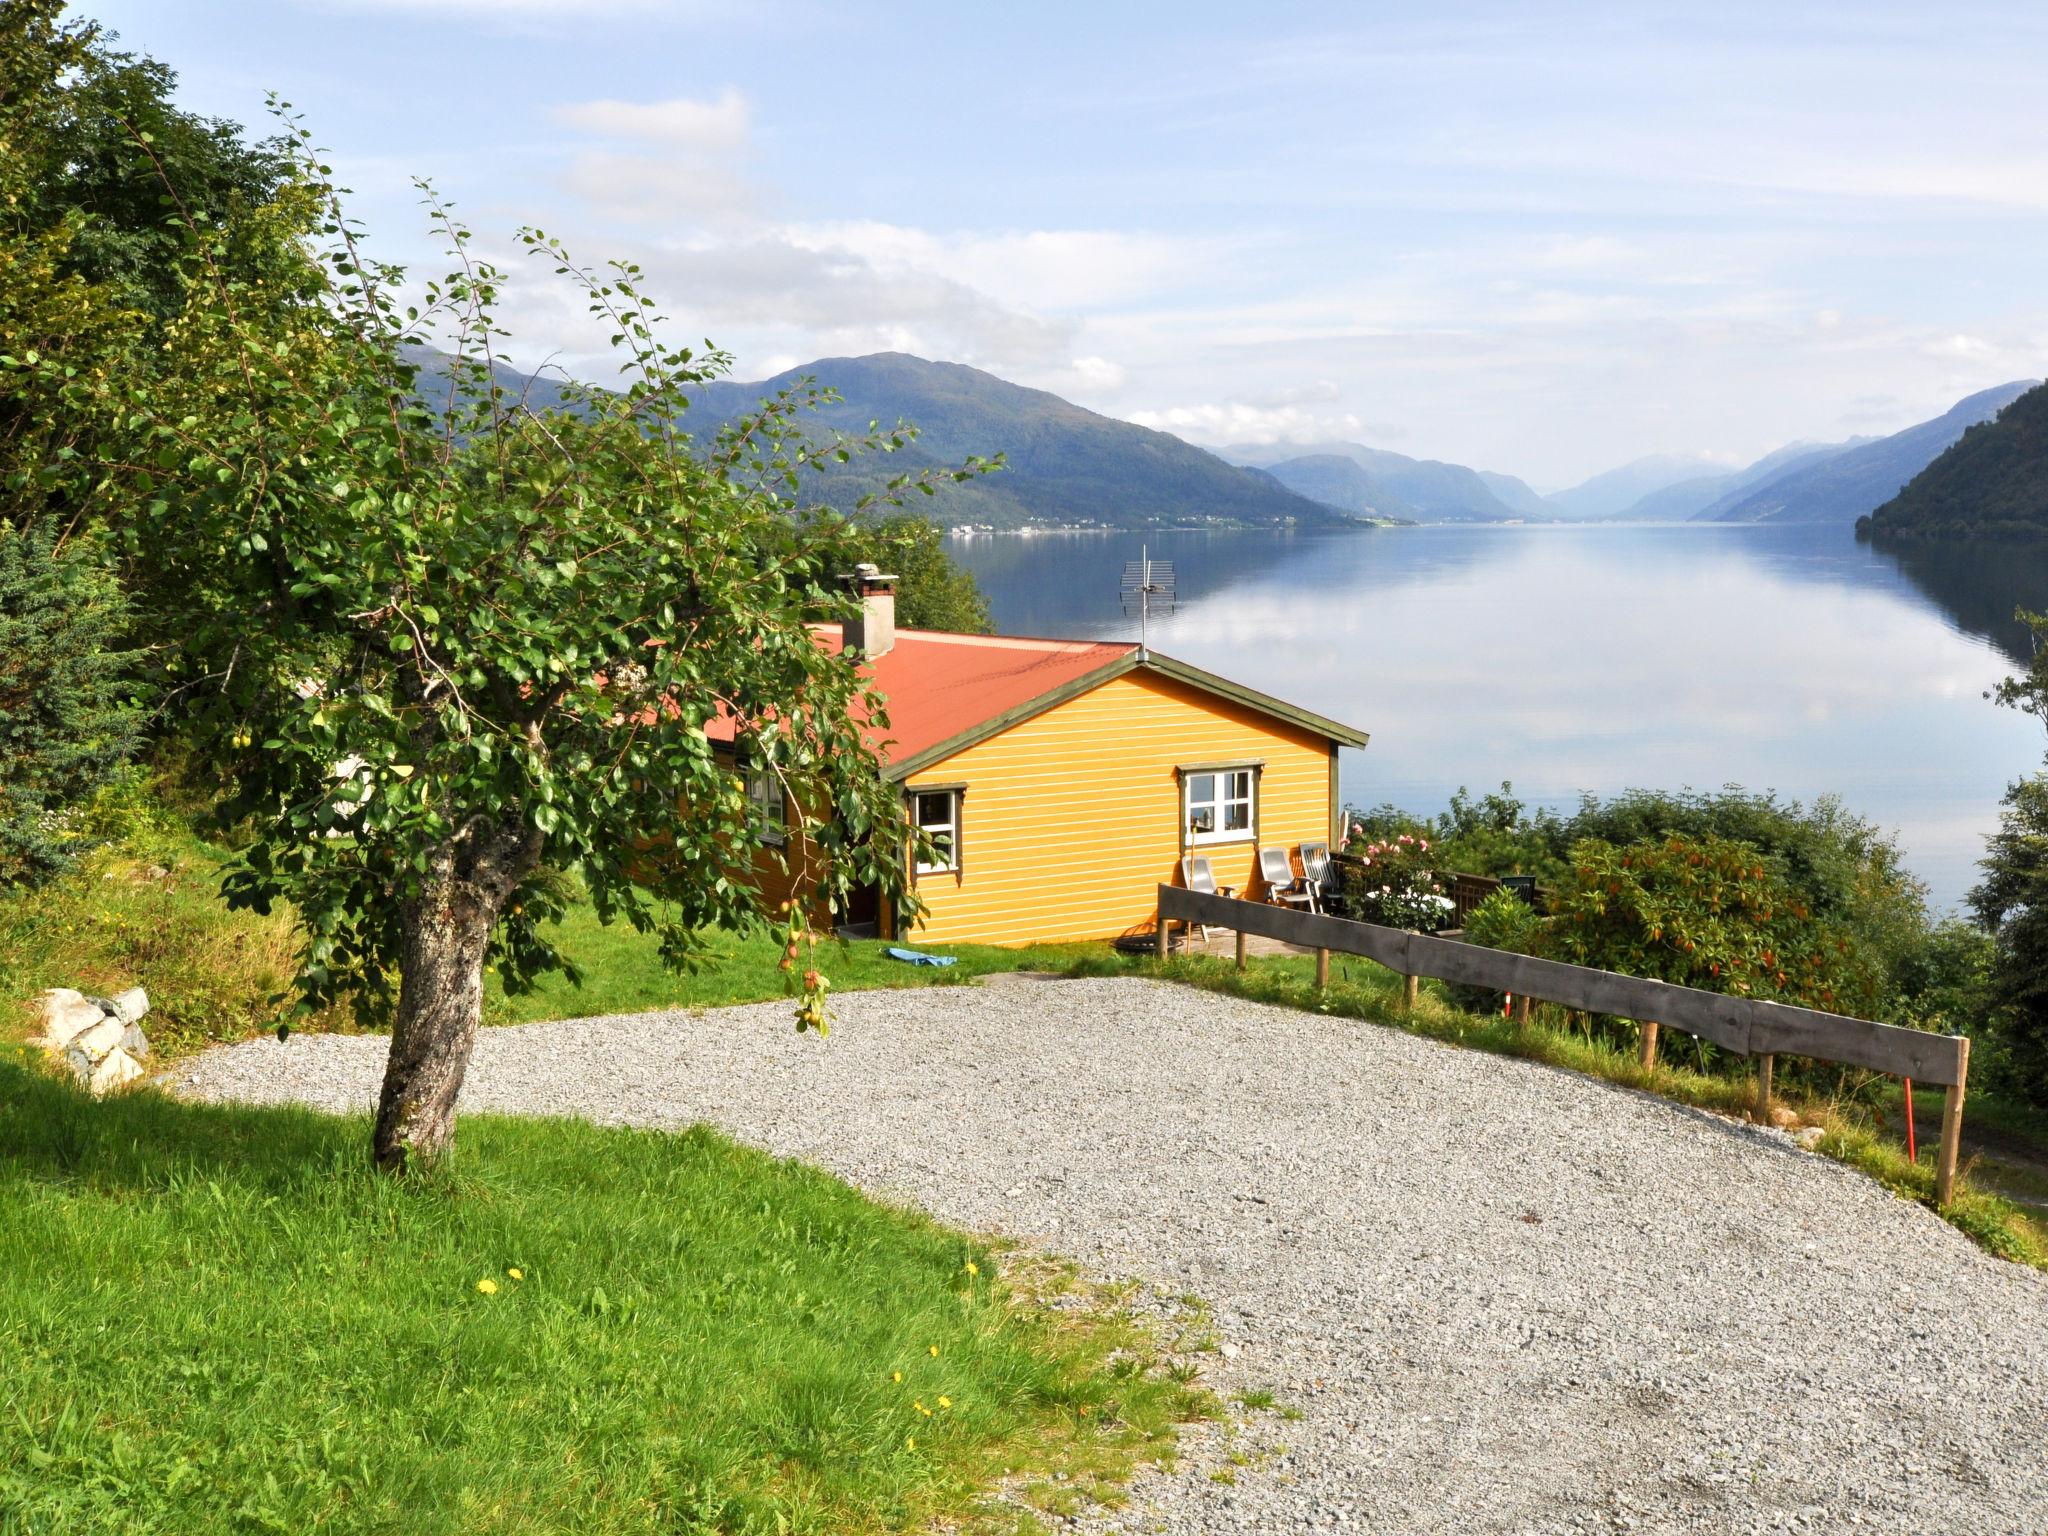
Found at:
(939, 684)
(942, 687)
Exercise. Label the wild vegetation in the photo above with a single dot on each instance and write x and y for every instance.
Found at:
(434, 648)
(1730, 891)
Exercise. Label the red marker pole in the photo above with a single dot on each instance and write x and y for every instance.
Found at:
(1912, 1150)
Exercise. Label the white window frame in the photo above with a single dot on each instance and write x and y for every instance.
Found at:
(950, 826)
(1217, 805)
(770, 815)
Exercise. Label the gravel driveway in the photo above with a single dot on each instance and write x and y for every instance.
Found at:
(1503, 1298)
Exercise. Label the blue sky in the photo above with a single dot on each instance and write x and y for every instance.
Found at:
(1536, 238)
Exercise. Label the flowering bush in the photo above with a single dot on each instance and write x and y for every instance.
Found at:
(1704, 912)
(1393, 883)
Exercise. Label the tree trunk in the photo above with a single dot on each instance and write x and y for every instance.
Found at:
(445, 936)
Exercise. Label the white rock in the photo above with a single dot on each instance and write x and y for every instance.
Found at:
(103, 1037)
(66, 1016)
(116, 1070)
(134, 1041)
(130, 1005)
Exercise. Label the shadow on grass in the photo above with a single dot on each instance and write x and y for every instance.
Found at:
(53, 1132)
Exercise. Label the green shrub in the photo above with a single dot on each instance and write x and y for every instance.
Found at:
(1705, 912)
(1504, 921)
(1495, 834)
(1394, 884)
(67, 722)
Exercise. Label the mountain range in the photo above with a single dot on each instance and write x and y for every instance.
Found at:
(1065, 466)
(1379, 483)
(1991, 482)
(1841, 486)
(1071, 467)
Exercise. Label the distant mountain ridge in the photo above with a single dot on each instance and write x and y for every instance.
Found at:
(1064, 466)
(1068, 466)
(1991, 482)
(1841, 487)
(1690, 499)
(1618, 491)
(1379, 482)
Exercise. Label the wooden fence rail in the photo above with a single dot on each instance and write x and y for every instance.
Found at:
(1749, 1027)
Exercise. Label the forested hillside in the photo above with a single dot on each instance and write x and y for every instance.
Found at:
(1993, 483)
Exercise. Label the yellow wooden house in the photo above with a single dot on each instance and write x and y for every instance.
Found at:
(1061, 782)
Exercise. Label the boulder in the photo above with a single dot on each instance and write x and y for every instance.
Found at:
(117, 1069)
(66, 1016)
(103, 1037)
(98, 1037)
(1784, 1119)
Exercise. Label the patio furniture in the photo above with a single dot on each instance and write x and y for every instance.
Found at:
(1284, 888)
(1316, 872)
(1196, 875)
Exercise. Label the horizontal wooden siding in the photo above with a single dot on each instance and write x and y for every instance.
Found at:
(1071, 819)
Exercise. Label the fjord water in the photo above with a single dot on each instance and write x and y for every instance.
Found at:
(1573, 659)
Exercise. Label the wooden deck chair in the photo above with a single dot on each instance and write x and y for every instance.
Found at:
(1283, 887)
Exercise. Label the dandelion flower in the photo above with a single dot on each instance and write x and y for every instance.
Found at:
(920, 1407)
(488, 1287)
(910, 1442)
(895, 1375)
(933, 1351)
(944, 1401)
(516, 1274)
(973, 1268)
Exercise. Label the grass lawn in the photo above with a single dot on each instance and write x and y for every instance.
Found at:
(624, 974)
(148, 909)
(217, 1320)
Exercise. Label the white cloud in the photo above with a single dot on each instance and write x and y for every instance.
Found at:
(1234, 421)
(678, 123)
(1076, 269)
(682, 189)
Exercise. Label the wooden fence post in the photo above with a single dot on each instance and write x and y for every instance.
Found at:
(1525, 1006)
(1952, 1127)
(1240, 949)
(1649, 1054)
(1411, 987)
(1764, 1064)
(1160, 941)
(1322, 969)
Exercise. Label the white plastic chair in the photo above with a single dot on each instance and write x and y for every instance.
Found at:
(1316, 870)
(1284, 888)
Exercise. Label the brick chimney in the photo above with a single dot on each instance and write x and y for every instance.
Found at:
(874, 632)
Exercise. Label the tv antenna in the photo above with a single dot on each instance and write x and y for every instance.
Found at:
(1147, 582)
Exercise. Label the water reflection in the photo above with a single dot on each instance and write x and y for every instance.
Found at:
(1582, 659)
(1980, 586)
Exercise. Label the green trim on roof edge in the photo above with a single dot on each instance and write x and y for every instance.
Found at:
(1165, 666)
(1265, 703)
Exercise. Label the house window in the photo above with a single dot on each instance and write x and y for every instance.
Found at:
(938, 819)
(764, 806)
(1217, 805)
